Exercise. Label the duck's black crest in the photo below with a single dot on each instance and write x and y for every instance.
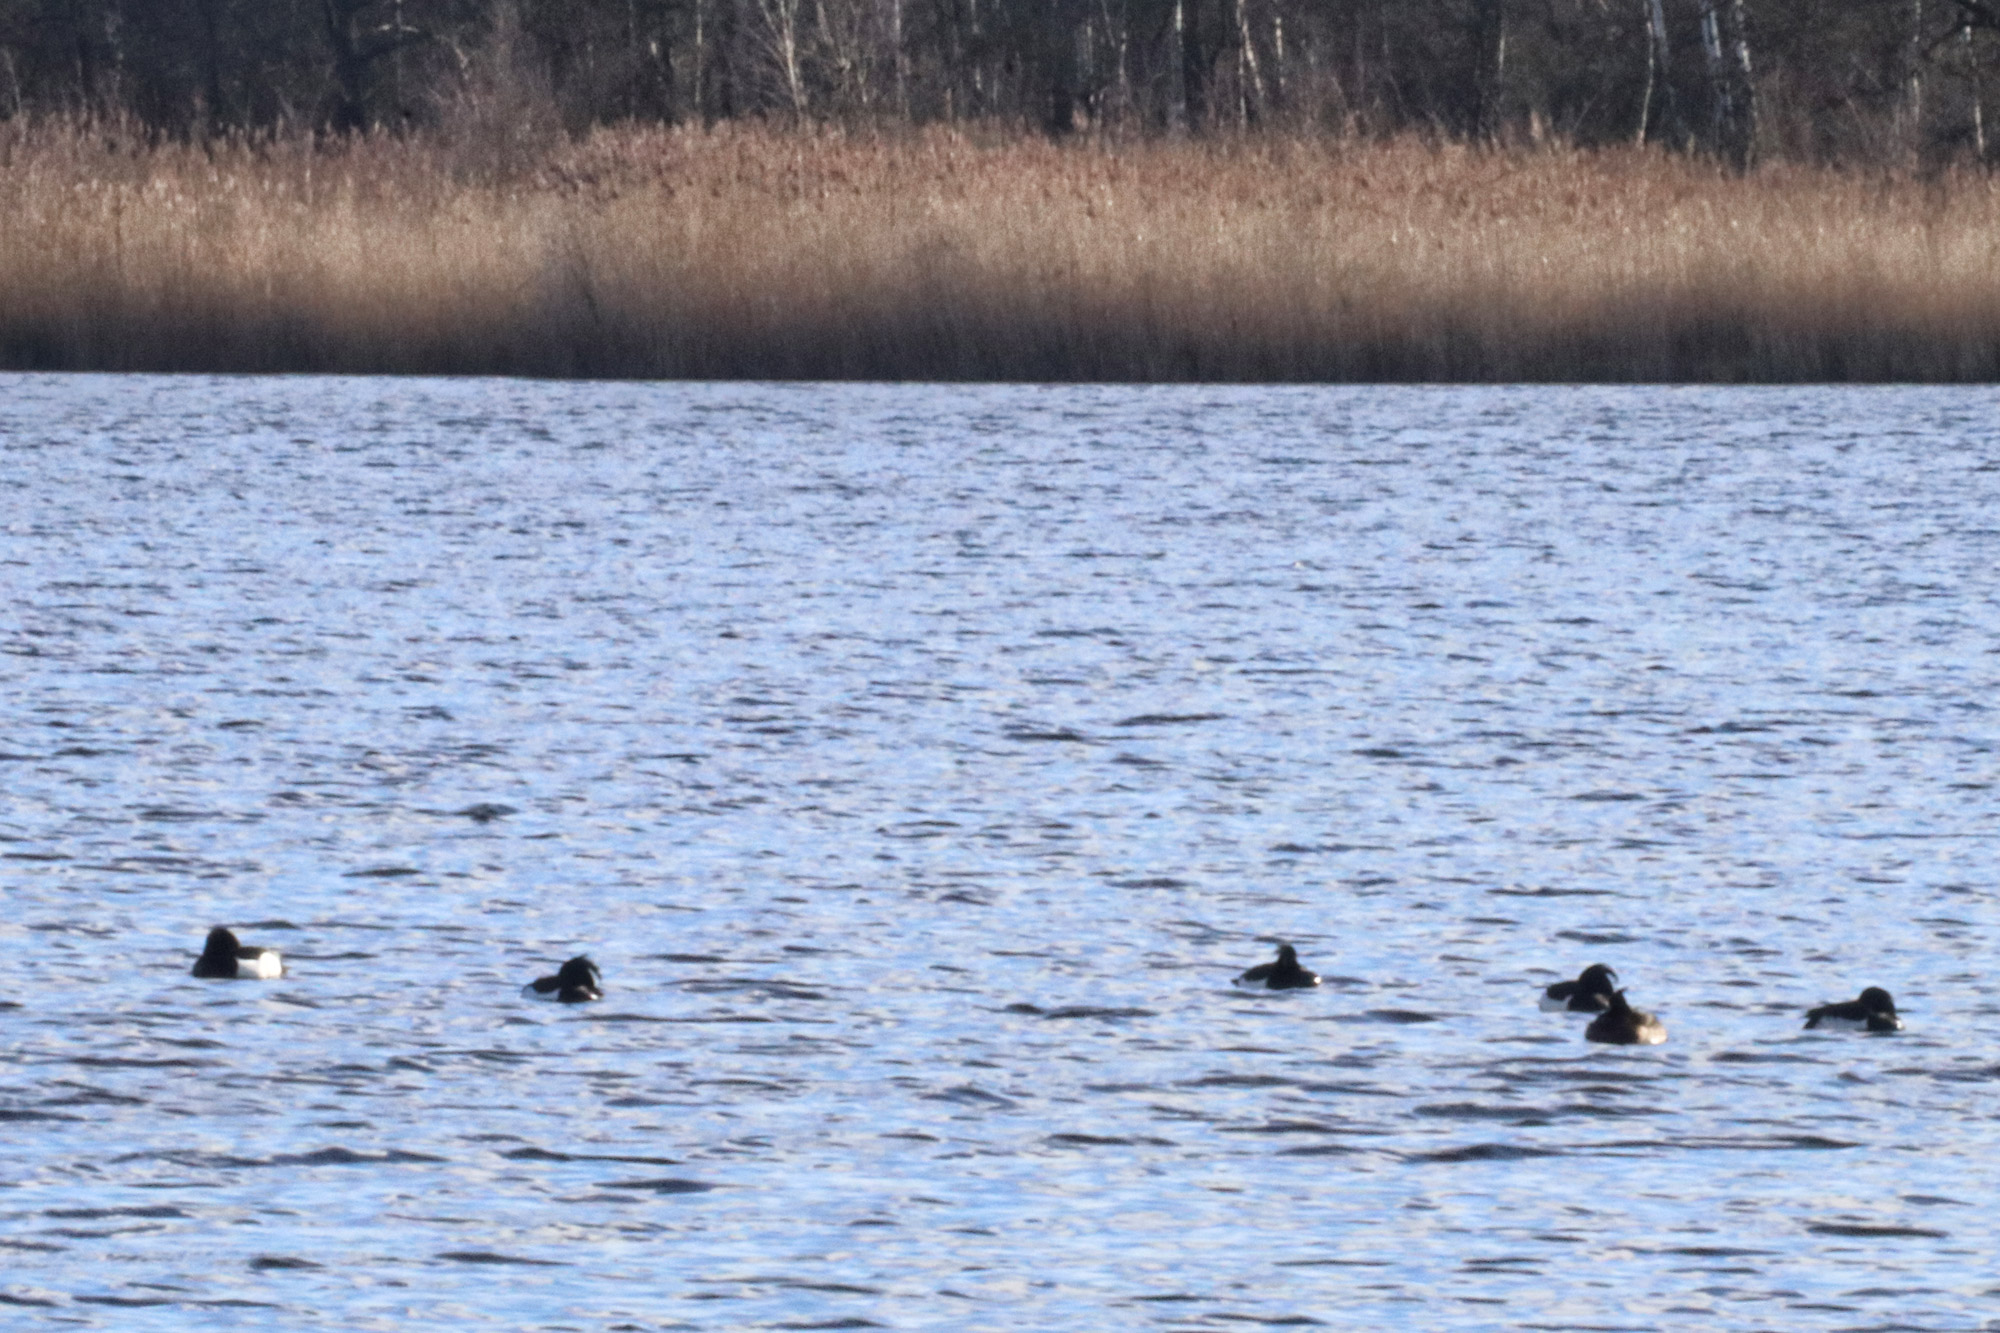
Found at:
(1590, 993)
(1284, 974)
(576, 981)
(224, 957)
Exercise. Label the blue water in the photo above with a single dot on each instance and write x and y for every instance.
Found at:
(920, 764)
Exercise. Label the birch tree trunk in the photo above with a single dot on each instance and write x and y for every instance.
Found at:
(1733, 112)
(1913, 80)
(781, 36)
(1745, 75)
(900, 70)
(1978, 96)
(1659, 78)
(1249, 77)
(1489, 75)
(1278, 58)
(1194, 63)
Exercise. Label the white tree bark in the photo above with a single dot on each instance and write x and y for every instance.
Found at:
(1726, 43)
(781, 37)
(1658, 66)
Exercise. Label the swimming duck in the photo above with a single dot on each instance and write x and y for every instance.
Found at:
(1284, 974)
(1873, 1012)
(1590, 993)
(1622, 1025)
(226, 957)
(574, 982)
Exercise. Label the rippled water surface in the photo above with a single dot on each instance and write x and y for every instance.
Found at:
(920, 764)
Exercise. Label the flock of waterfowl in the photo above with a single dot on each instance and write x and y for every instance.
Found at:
(226, 958)
(1595, 991)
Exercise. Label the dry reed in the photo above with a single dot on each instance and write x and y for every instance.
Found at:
(764, 254)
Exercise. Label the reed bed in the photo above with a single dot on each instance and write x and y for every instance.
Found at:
(747, 253)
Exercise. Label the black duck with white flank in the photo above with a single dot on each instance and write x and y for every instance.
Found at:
(1875, 1011)
(225, 958)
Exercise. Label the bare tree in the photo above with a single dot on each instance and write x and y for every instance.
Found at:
(781, 39)
(1978, 14)
(1733, 109)
(1489, 73)
(1659, 77)
(360, 42)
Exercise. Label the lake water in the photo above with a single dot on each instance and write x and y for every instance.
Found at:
(920, 764)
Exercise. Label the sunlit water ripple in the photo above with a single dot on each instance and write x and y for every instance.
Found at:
(920, 764)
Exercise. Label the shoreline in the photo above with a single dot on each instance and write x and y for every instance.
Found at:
(756, 254)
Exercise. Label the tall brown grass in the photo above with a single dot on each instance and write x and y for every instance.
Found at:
(769, 254)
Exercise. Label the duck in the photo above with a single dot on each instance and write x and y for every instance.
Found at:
(1283, 974)
(1622, 1025)
(225, 957)
(574, 982)
(1590, 993)
(1875, 1011)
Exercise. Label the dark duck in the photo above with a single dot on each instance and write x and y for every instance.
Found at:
(1590, 993)
(1875, 1011)
(1285, 973)
(1622, 1025)
(225, 957)
(574, 982)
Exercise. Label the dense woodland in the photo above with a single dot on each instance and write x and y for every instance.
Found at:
(1880, 81)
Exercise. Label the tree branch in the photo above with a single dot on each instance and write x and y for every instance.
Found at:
(1978, 14)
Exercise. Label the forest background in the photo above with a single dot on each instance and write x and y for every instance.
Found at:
(1852, 81)
(1004, 189)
